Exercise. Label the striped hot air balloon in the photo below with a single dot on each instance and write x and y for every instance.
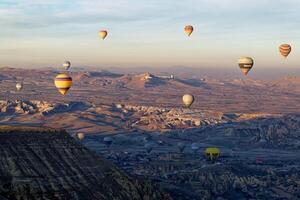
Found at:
(285, 50)
(189, 30)
(102, 34)
(63, 82)
(245, 64)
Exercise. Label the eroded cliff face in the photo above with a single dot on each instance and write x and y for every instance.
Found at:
(281, 132)
(41, 163)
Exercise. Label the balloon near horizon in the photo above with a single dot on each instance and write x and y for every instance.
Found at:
(19, 86)
(63, 83)
(80, 136)
(67, 65)
(188, 100)
(245, 64)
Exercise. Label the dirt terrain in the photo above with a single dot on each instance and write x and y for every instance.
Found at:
(255, 123)
(243, 95)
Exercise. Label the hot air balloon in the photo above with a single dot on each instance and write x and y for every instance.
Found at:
(212, 153)
(102, 34)
(197, 122)
(188, 100)
(80, 136)
(63, 82)
(181, 146)
(188, 29)
(285, 50)
(245, 64)
(148, 147)
(107, 141)
(67, 65)
(194, 147)
(19, 86)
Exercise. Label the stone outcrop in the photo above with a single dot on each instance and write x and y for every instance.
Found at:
(42, 163)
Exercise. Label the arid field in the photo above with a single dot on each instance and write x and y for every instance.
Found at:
(255, 123)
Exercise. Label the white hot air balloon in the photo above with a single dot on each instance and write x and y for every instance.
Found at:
(19, 86)
(188, 100)
(67, 65)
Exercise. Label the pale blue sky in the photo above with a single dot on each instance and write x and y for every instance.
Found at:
(39, 33)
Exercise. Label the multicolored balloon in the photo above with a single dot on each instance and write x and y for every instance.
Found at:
(285, 50)
(63, 83)
(245, 64)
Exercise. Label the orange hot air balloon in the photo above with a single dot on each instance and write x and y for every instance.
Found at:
(189, 30)
(63, 83)
(103, 34)
(285, 50)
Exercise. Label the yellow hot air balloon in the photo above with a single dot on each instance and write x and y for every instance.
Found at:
(188, 100)
(188, 29)
(212, 153)
(285, 50)
(80, 136)
(63, 82)
(245, 64)
(102, 34)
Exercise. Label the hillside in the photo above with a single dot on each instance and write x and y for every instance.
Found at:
(44, 163)
(234, 95)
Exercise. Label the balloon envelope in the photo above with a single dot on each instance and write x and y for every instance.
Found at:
(80, 136)
(67, 65)
(194, 147)
(19, 86)
(245, 64)
(212, 153)
(181, 146)
(103, 34)
(285, 50)
(148, 147)
(107, 140)
(188, 100)
(63, 83)
(188, 29)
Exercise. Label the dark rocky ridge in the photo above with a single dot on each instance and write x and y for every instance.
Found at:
(44, 163)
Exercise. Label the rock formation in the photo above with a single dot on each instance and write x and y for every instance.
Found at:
(42, 163)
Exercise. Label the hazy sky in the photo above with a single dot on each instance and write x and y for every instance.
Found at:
(40, 33)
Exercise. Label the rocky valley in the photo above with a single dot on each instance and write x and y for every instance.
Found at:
(154, 139)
